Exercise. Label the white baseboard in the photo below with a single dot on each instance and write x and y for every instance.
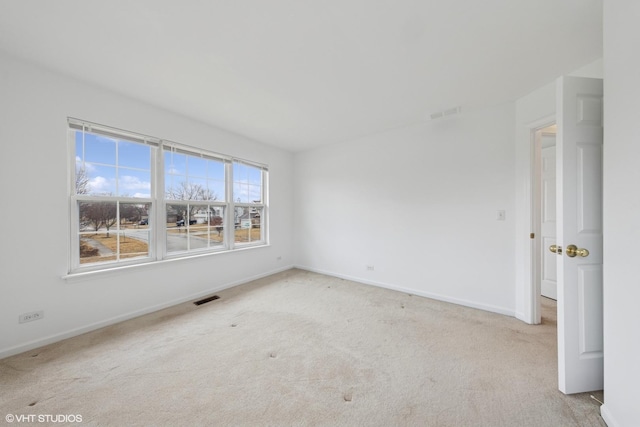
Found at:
(121, 318)
(466, 303)
(607, 417)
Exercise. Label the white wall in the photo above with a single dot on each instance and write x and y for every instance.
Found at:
(621, 213)
(34, 107)
(419, 204)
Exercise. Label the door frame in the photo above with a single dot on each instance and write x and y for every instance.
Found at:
(532, 297)
(536, 206)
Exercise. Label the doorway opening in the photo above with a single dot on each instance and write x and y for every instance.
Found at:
(543, 215)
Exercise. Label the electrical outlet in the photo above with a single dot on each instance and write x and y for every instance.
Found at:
(30, 317)
(370, 268)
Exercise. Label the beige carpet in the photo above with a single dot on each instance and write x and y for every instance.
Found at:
(299, 348)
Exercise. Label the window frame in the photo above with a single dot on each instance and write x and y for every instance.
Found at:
(248, 205)
(158, 202)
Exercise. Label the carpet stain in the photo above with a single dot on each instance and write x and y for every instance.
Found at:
(272, 355)
(233, 325)
(348, 396)
(33, 403)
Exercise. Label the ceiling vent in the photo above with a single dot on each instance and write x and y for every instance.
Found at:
(446, 113)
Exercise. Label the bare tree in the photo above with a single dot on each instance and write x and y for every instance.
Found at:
(89, 217)
(132, 213)
(99, 214)
(82, 181)
(188, 191)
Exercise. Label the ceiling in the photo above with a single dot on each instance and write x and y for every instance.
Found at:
(298, 74)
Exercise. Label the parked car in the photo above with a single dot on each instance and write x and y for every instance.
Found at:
(144, 222)
(180, 222)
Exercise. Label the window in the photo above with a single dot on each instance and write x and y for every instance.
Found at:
(196, 202)
(248, 195)
(138, 199)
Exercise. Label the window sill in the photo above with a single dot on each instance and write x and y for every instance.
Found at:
(119, 269)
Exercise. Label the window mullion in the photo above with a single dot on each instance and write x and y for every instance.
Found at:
(74, 223)
(160, 206)
(264, 216)
(230, 217)
(118, 251)
(75, 233)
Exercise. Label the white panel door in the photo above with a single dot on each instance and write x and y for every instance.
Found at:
(579, 214)
(548, 266)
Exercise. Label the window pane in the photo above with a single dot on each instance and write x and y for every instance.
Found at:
(133, 243)
(105, 239)
(170, 183)
(82, 178)
(217, 189)
(97, 239)
(175, 163)
(237, 194)
(255, 194)
(248, 224)
(186, 191)
(99, 149)
(199, 227)
(101, 180)
(93, 248)
(193, 177)
(198, 188)
(134, 215)
(196, 167)
(255, 176)
(134, 183)
(216, 170)
(134, 155)
(215, 179)
(99, 174)
(192, 227)
(247, 184)
(216, 221)
(97, 216)
(176, 228)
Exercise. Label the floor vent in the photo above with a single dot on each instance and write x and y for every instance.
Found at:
(206, 300)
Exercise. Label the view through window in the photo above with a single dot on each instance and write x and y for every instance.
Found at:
(139, 199)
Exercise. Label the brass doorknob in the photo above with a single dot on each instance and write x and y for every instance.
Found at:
(556, 249)
(573, 250)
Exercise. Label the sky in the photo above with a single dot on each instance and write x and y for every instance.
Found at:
(123, 168)
(113, 166)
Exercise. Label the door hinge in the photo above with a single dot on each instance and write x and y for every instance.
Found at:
(532, 235)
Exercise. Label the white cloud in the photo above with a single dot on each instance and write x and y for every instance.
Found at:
(130, 186)
(100, 185)
(88, 167)
(132, 183)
